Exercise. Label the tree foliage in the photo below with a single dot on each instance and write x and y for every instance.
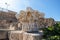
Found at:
(52, 33)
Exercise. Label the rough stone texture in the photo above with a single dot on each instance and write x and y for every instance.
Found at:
(19, 35)
(31, 36)
(6, 18)
(16, 35)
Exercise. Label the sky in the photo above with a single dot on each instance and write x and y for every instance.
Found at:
(51, 8)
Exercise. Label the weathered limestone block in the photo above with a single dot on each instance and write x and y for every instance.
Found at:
(31, 36)
(16, 35)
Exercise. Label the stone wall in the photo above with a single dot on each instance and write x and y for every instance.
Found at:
(8, 15)
(15, 35)
(20, 35)
(6, 18)
(32, 36)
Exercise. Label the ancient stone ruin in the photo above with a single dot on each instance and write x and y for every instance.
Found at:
(34, 18)
(25, 26)
(7, 22)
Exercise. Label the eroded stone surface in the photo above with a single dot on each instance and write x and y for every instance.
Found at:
(19, 35)
(16, 35)
(31, 36)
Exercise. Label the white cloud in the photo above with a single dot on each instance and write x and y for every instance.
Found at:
(14, 4)
(10, 3)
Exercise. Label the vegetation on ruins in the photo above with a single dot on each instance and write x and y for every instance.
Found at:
(52, 33)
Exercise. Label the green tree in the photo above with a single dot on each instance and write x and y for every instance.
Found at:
(52, 33)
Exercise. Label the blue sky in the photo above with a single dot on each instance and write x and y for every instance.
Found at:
(51, 8)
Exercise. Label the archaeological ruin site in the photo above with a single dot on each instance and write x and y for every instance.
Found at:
(24, 25)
